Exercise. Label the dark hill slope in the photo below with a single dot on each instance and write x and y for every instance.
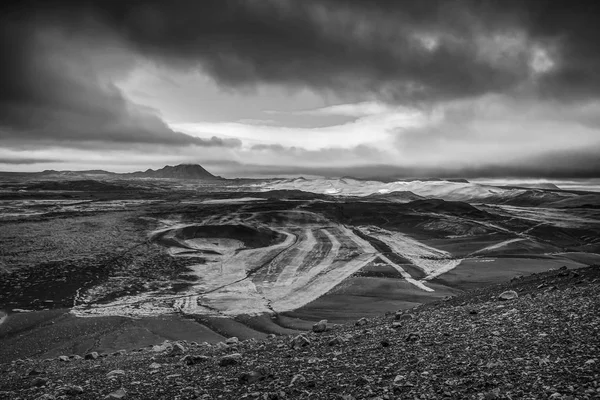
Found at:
(182, 171)
(544, 344)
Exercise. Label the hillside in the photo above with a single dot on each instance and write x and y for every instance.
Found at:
(182, 171)
(542, 344)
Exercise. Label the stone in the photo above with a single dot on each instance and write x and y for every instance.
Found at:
(413, 337)
(166, 346)
(221, 346)
(230, 359)
(335, 341)
(508, 295)
(361, 322)
(91, 356)
(400, 316)
(71, 390)
(251, 377)
(191, 360)
(299, 341)
(154, 365)
(117, 394)
(63, 358)
(297, 380)
(117, 373)
(232, 341)
(39, 382)
(177, 349)
(320, 326)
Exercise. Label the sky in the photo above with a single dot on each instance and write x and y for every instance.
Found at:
(248, 88)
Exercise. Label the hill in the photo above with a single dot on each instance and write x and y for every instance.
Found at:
(543, 343)
(182, 171)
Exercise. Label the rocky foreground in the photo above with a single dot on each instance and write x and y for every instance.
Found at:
(536, 337)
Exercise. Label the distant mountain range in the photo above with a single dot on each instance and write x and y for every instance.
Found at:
(182, 171)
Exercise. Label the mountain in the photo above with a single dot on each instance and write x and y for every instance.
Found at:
(181, 171)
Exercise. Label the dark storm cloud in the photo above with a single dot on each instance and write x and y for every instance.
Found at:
(552, 165)
(400, 50)
(27, 161)
(56, 86)
(60, 59)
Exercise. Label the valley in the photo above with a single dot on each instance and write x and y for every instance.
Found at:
(218, 259)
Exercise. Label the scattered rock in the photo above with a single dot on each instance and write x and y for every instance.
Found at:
(191, 359)
(117, 394)
(230, 359)
(71, 390)
(413, 337)
(320, 326)
(297, 380)
(508, 295)
(221, 346)
(39, 382)
(117, 373)
(251, 377)
(401, 316)
(335, 341)
(177, 349)
(166, 346)
(299, 341)
(232, 341)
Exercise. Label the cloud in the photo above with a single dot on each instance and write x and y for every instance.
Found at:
(56, 87)
(396, 51)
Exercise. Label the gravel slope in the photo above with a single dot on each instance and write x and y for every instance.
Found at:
(543, 344)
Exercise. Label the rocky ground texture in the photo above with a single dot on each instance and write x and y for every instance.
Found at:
(540, 342)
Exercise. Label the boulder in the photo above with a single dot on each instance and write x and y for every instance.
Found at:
(71, 390)
(39, 382)
(117, 394)
(400, 316)
(299, 341)
(232, 341)
(177, 349)
(361, 322)
(508, 295)
(191, 360)
(413, 337)
(91, 356)
(251, 377)
(297, 380)
(320, 326)
(335, 341)
(230, 359)
(117, 373)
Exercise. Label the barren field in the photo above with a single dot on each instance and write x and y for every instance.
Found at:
(242, 261)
